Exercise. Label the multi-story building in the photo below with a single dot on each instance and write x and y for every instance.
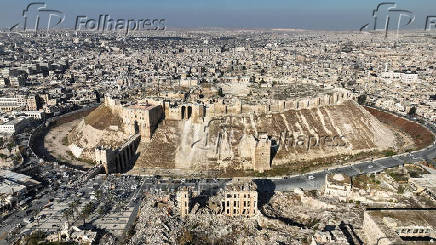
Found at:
(14, 126)
(12, 103)
(182, 198)
(240, 198)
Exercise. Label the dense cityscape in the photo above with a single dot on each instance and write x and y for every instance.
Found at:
(201, 136)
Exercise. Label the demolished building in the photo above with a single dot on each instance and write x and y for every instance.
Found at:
(238, 198)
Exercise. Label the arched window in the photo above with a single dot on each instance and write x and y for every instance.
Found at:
(189, 112)
(183, 112)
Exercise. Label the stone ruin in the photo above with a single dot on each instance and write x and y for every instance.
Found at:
(118, 160)
(238, 198)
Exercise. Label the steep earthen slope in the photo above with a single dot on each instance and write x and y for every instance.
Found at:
(296, 135)
(420, 135)
(100, 127)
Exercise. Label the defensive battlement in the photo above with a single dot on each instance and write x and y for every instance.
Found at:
(142, 118)
(222, 108)
(177, 110)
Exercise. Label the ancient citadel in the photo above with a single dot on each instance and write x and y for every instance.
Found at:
(141, 119)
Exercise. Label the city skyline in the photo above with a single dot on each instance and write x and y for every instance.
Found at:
(310, 15)
(217, 122)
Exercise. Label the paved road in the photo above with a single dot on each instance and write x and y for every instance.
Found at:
(314, 181)
(311, 181)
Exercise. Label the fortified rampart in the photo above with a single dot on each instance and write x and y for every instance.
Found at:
(140, 119)
(148, 113)
(143, 118)
(277, 106)
(118, 160)
(182, 111)
(262, 154)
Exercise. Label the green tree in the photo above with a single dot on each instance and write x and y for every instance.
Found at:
(98, 195)
(35, 238)
(361, 99)
(74, 207)
(87, 211)
(412, 111)
(68, 213)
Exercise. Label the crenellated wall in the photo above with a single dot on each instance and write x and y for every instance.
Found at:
(164, 109)
(278, 106)
(198, 111)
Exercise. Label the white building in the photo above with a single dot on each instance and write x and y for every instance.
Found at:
(12, 103)
(14, 126)
(37, 115)
(405, 77)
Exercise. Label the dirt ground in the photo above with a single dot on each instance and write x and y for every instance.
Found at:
(53, 141)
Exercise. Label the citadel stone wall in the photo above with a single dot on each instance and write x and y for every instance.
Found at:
(143, 118)
(140, 119)
(220, 108)
(164, 109)
(262, 154)
(118, 160)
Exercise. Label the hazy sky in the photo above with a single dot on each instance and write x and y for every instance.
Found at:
(305, 14)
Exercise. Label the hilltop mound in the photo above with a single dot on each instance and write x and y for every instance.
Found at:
(99, 127)
(295, 135)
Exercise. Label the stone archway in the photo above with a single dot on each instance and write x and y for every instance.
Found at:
(183, 112)
(189, 112)
(136, 125)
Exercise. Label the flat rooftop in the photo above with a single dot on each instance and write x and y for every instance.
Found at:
(390, 221)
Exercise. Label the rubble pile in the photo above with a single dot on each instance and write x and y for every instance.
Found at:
(310, 218)
(157, 222)
(160, 223)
